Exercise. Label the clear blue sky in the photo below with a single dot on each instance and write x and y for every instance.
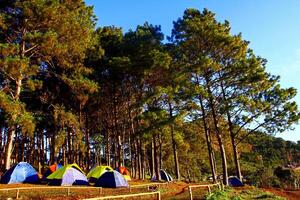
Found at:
(272, 27)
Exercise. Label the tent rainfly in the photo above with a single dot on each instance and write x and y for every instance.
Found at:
(164, 176)
(111, 179)
(235, 181)
(20, 173)
(51, 169)
(96, 172)
(68, 175)
(124, 172)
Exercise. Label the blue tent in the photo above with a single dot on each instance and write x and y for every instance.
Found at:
(111, 179)
(20, 173)
(234, 181)
(164, 176)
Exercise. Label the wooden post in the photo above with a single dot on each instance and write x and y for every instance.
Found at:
(191, 194)
(209, 189)
(68, 191)
(18, 191)
(158, 196)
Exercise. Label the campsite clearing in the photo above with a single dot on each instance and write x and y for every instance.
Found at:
(170, 191)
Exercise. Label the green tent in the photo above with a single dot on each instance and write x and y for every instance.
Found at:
(68, 175)
(98, 171)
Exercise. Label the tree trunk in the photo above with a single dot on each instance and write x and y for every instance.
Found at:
(43, 152)
(143, 158)
(107, 149)
(70, 154)
(152, 159)
(219, 135)
(8, 149)
(135, 159)
(175, 154)
(156, 160)
(52, 149)
(119, 152)
(114, 152)
(160, 152)
(17, 147)
(23, 147)
(224, 160)
(208, 141)
(139, 157)
(174, 145)
(236, 158)
(232, 136)
(87, 142)
(11, 132)
(39, 150)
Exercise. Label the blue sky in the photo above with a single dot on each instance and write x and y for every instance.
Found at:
(271, 26)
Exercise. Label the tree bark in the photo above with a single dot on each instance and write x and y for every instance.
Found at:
(139, 158)
(11, 131)
(236, 158)
(160, 151)
(107, 149)
(208, 142)
(232, 136)
(9, 146)
(219, 135)
(119, 152)
(156, 160)
(174, 145)
(143, 158)
(152, 159)
(87, 142)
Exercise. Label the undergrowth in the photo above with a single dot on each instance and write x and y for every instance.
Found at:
(231, 194)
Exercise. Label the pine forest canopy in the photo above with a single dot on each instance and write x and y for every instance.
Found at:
(101, 96)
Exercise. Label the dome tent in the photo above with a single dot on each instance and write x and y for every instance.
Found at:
(68, 175)
(111, 179)
(234, 181)
(124, 172)
(51, 169)
(98, 171)
(164, 176)
(20, 173)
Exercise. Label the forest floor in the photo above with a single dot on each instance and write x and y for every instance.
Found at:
(291, 195)
(172, 191)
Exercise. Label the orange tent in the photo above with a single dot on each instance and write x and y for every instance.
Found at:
(124, 172)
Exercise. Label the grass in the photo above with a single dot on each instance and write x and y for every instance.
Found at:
(247, 194)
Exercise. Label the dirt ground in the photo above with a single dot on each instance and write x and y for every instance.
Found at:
(172, 191)
(291, 195)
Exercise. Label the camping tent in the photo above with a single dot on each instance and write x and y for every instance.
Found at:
(96, 172)
(124, 172)
(68, 175)
(20, 173)
(234, 181)
(164, 176)
(51, 169)
(111, 179)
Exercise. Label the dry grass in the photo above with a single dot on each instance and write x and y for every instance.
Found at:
(172, 191)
